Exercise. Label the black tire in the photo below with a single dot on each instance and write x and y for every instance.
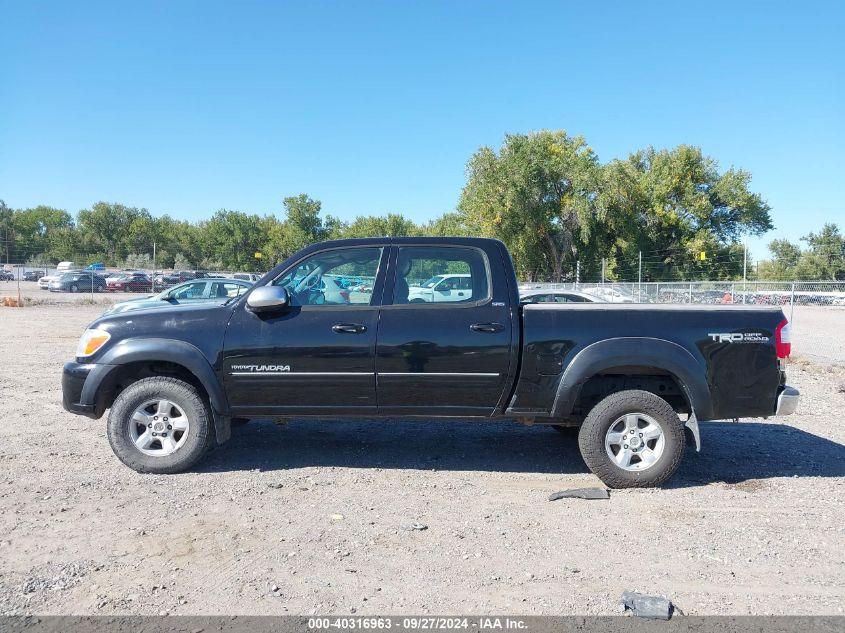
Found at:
(74, 288)
(417, 301)
(99, 288)
(200, 434)
(591, 439)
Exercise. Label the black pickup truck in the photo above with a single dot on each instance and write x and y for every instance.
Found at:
(427, 328)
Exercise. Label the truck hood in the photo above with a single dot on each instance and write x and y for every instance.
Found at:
(203, 326)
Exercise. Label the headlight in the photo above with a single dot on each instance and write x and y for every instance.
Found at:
(91, 341)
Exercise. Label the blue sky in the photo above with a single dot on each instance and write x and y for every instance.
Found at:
(373, 107)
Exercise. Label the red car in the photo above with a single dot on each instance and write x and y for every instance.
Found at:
(130, 282)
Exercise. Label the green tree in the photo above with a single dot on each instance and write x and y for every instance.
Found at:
(823, 259)
(537, 194)
(447, 225)
(180, 262)
(231, 239)
(107, 229)
(828, 246)
(302, 226)
(390, 225)
(140, 261)
(303, 215)
(786, 256)
(672, 205)
(6, 229)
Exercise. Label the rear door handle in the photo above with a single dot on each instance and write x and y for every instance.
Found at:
(349, 328)
(487, 327)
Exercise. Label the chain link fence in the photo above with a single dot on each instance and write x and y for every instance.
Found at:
(779, 293)
(816, 310)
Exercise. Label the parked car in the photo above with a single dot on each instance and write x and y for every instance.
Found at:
(6, 275)
(636, 378)
(197, 291)
(253, 277)
(456, 287)
(45, 281)
(33, 275)
(65, 267)
(558, 296)
(79, 281)
(165, 280)
(332, 291)
(129, 282)
(610, 294)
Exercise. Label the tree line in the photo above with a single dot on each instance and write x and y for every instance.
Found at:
(668, 214)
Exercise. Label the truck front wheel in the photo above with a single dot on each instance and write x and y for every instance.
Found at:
(632, 439)
(160, 425)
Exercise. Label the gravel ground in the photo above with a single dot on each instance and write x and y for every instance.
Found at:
(817, 333)
(415, 517)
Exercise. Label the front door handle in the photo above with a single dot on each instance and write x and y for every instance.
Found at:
(349, 328)
(487, 327)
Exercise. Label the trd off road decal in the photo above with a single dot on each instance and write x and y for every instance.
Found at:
(738, 337)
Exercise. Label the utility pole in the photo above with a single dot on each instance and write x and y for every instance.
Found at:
(577, 273)
(603, 260)
(640, 279)
(744, 266)
(153, 276)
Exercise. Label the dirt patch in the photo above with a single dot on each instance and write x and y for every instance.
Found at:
(326, 512)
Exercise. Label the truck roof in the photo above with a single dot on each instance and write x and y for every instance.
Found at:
(364, 241)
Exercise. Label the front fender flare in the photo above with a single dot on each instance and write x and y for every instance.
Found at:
(172, 351)
(626, 351)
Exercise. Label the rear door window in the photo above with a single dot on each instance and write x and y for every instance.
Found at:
(437, 274)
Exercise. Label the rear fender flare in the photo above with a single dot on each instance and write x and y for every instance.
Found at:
(619, 352)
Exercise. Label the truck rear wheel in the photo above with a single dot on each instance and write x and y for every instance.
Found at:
(632, 439)
(160, 425)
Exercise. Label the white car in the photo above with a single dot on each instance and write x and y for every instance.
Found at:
(253, 277)
(558, 296)
(333, 292)
(610, 294)
(838, 301)
(455, 287)
(44, 282)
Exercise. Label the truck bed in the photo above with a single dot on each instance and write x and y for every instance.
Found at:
(728, 351)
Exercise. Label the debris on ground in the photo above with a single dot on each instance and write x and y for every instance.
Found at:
(580, 493)
(654, 607)
(419, 526)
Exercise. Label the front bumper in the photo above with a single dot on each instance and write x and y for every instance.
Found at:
(74, 397)
(787, 401)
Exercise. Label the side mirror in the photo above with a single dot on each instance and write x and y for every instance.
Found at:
(268, 299)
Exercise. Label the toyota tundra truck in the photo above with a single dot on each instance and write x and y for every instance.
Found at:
(634, 380)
